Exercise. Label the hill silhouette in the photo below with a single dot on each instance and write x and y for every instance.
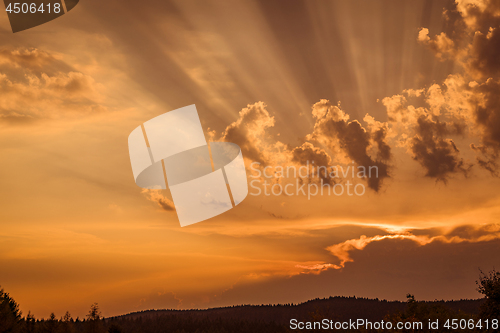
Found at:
(248, 318)
(276, 318)
(336, 308)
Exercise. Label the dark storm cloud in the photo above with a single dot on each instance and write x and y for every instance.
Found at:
(473, 40)
(487, 158)
(439, 156)
(484, 60)
(485, 51)
(249, 132)
(384, 150)
(396, 266)
(479, 15)
(334, 129)
(487, 117)
(488, 231)
(308, 153)
(488, 114)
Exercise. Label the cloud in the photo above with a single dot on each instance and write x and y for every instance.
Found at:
(487, 158)
(380, 132)
(461, 234)
(475, 45)
(314, 268)
(249, 132)
(162, 201)
(308, 154)
(439, 156)
(342, 250)
(34, 85)
(441, 44)
(395, 267)
(429, 130)
(334, 130)
(484, 60)
(487, 101)
(28, 59)
(478, 15)
(349, 140)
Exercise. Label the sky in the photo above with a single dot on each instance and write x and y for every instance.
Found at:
(411, 87)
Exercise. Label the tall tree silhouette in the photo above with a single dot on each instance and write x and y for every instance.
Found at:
(30, 323)
(51, 325)
(67, 323)
(94, 318)
(489, 286)
(10, 316)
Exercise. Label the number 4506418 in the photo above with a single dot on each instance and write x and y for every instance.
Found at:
(33, 8)
(455, 324)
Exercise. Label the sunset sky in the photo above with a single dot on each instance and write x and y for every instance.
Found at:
(410, 86)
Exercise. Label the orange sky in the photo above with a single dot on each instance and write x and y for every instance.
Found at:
(287, 81)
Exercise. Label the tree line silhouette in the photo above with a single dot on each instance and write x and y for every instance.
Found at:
(264, 318)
